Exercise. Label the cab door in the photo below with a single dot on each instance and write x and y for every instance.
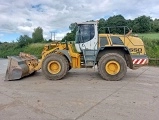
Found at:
(86, 37)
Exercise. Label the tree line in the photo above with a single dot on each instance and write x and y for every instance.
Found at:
(141, 24)
(37, 37)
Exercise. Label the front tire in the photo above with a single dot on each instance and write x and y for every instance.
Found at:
(112, 67)
(54, 66)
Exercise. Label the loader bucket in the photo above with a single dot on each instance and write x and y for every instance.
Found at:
(20, 66)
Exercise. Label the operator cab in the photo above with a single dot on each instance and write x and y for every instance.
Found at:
(86, 36)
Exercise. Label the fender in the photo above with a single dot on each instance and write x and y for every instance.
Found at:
(65, 52)
(122, 50)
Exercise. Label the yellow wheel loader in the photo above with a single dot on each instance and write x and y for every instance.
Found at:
(112, 53)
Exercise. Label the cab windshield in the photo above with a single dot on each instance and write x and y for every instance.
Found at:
(85, 33)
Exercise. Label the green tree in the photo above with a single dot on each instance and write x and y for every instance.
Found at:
(129, 23)
(101, 25)
(117, 20)
(70, 36)
(142, 24)
(24, 40)
(37, 35)
(155, 25)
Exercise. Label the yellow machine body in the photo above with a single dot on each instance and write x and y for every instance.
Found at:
(113, 54)
(135, 44)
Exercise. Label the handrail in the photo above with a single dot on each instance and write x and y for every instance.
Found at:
(115, 27)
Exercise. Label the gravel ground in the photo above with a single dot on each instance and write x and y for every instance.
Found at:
(81, 95)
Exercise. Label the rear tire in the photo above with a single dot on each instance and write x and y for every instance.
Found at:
(112, 67)
(54, 66)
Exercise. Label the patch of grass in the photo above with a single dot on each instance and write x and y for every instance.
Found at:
(151, 41)
(152, 49)
(149, 36)
(34, 49)
(12, 49)
(9, 49)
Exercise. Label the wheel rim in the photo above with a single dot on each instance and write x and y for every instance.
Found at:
(54, 67)
(112, 67)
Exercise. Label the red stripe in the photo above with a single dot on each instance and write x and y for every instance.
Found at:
(141, 61)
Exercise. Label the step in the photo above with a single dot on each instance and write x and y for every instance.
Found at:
(89, 52)
(89, 63)
(90, 58)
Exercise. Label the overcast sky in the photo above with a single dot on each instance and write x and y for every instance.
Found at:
(19, 17)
